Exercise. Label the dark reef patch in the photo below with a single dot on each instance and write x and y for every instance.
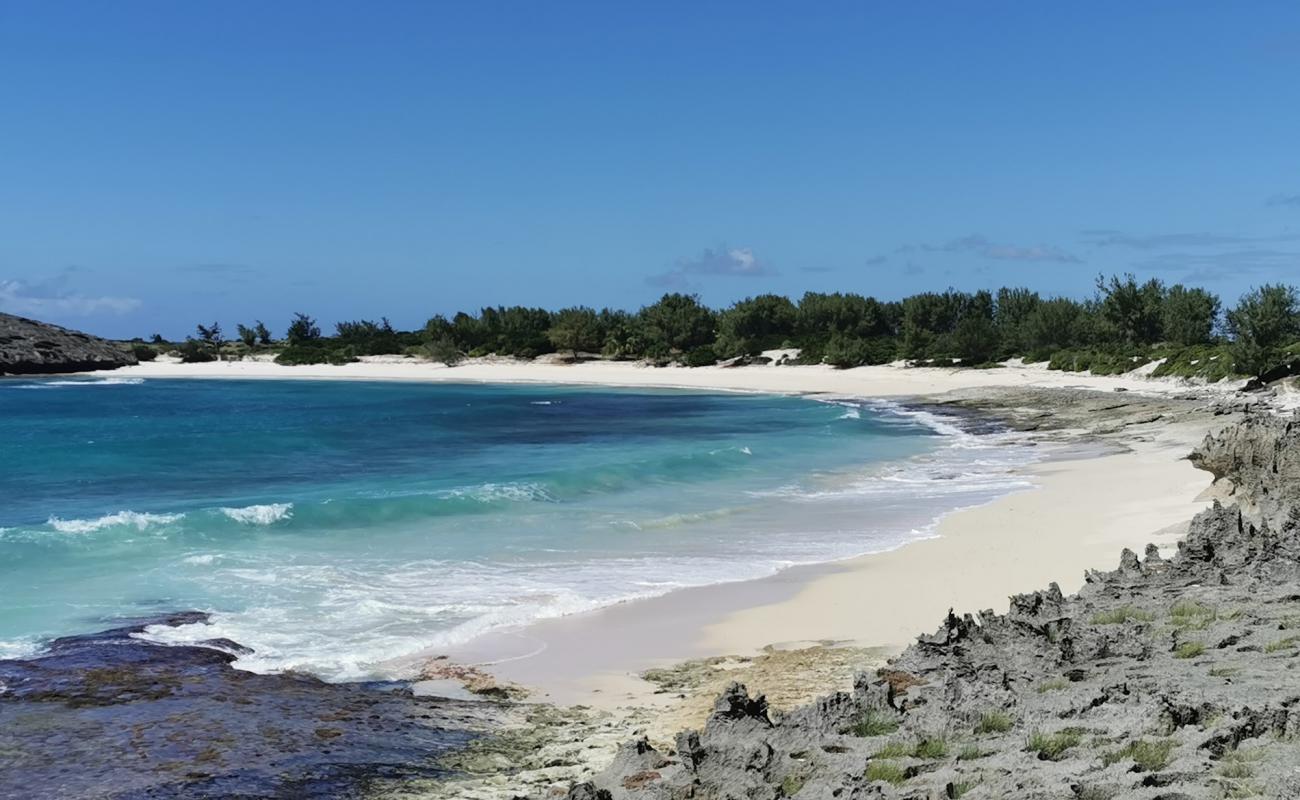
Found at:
(111, 715)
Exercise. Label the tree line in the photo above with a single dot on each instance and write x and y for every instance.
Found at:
(1126, 323)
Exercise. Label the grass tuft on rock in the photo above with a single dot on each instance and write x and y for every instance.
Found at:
(1189, 649)
(1051, 746)
(994, 722)
(874, 723)
(1052, 685)
(1148, 755)
(930, 748)
(1289, 643)
(1118, 616)
(886, 771)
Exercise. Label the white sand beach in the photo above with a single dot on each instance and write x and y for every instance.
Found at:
(1083, 511)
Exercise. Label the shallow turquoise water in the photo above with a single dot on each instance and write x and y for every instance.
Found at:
(335, 526)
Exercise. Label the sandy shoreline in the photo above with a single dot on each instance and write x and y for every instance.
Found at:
(1083, 511)
(879, 381)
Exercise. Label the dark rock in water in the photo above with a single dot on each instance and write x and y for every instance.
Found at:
(28, 347)
(109, 715)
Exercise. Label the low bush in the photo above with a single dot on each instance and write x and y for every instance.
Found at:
(143, 352)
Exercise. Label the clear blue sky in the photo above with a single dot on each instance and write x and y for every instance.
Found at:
(163, 163)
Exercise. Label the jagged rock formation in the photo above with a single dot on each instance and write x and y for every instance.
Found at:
(1168, 678)
(28, 347)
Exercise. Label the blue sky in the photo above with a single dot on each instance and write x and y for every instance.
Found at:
(166, 163)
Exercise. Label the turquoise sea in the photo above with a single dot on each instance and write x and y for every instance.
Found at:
(335, 527)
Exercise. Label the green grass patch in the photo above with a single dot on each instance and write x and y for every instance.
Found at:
(791, 785)
(1191, 614)
(1052, 746)
(895, 750)
(973, 752)
(1189, 650)
(1052, 685)
(874, 723)
(994, 722)
(957, 790)
(930, 748)
(886, 771)
(1118, 616)
(1148, 755)
(1224, 672)
(1289, 643)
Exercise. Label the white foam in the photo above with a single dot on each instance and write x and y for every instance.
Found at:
(260, 514)
(18, 648)
(205, 558)
(494, 492)
(96, 382)
(120, 519)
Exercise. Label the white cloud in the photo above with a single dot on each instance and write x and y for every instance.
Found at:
(53, 297)
(983, 247)
(735, 262)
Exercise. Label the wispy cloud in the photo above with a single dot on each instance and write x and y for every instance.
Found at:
(734, 262)
(216, 269)
(1292, 200)
(1223, 265)
(55, 296)
(1158, 241)
(983, 247)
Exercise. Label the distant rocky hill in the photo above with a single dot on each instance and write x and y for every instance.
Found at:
(28, 347)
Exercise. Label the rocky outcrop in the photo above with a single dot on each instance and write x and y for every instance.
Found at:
(28, 347)
(1165, 678)
(109, 715)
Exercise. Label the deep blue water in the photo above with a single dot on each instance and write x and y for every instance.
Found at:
(336, 526)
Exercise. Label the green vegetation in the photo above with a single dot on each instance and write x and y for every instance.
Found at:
(791, 784)
(144, 352)
(1124, 325)
(874, 723)
(930, 748)
(886, 771)
(895, 750)
(1052, 685)
(1118, 616)
(1191, 615)
(994, 722)
(957, 790)
(1148, 755)
(1189, 649)
(1052, 746)
(1224, 672)
(1289, 643)
(972, 752)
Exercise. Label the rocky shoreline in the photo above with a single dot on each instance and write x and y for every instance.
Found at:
(28, 347)
(110, 715)
(1165, 678)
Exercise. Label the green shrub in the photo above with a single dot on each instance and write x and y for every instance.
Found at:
(194, 352)
(700, 357)
(143, 352)
(886, 771)
(1189, 650)
(297, 355)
